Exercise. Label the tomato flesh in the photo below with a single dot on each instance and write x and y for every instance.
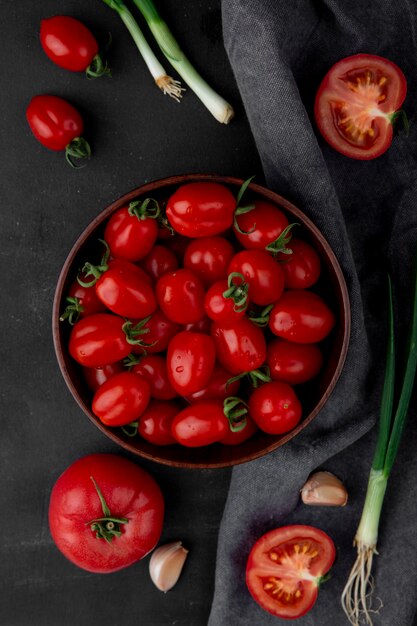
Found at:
(285, 567)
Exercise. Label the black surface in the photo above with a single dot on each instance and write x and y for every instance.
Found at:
(137, 135)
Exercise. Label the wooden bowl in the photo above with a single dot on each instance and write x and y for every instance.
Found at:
(313, 396)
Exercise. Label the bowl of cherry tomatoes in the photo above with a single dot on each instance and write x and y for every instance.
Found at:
(201, 321)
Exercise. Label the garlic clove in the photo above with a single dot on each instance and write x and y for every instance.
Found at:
(166, 565)
(324, 489)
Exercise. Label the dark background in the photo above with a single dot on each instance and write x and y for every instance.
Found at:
(137, 135)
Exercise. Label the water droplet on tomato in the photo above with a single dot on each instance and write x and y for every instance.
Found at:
(179, 369)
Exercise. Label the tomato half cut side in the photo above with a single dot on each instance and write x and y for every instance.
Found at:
(285, 567)
(356, 103)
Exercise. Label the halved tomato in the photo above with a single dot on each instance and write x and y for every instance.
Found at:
(356, 105)
(285, 568)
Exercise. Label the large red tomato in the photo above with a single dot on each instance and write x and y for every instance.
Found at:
(105, 513)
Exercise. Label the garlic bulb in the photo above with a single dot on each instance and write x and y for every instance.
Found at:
(324, 489)
(166, 565)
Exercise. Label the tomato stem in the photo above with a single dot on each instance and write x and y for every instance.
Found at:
(130, 430)
(263, 318)
(235, 410)
(132, 333)
(280, 243)
(97, 68)
(72, 310)
(238, 293)
(106, 527)
(78, 148)
(96, 271)
(144, 209)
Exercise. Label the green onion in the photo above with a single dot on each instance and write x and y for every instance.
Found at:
(165, 83)
(222, 110)
(357, 594)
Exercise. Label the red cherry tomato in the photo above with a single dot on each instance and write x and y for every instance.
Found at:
(122, 399)
(124, 293)
(153, 368)
(190, 360)
(78, 505)
(69, 44)
(201, 209)
(285, 568)
(356, 104)
(239, 348)
(131, 232)
(180, 295)
(97, 376)
(293, 363)
(202, 326)
(302, 317)
(302, 267)
(216, 387)
(262, 272)
(234, 438)
(158, 331)
(57, 125)
(275, 408)
(225, 309)
(208, 257)
(155, 424)
(159, 261)
(127, 266)
(261, 226)
(81, 302)
(200, 424)
(99, 340)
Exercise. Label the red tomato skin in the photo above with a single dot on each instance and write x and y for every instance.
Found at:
(200, 424)
(201, 209)
(235, 438)
(278, 539)
(202, 326)
(239, 348)
(97, 376)
(161, 330)
(262, 272)
(302, 267)
(129, 492)
(191, 357)
(301, 316)
(293, 363)
(98, 340)
(153, 368)
(275, 408)
(158, 262)
(208, 257)
(87, 298)
(219, 308)
(180, 295)
(263, 225)
(129, 237)
(216, 387)
(68, 43)
(124, 293)
(155, 424)
(54, 121)
(122, 399)
(382, 123)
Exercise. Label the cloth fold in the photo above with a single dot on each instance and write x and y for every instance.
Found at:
(367, 210)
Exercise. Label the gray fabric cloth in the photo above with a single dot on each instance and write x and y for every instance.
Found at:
(279, 51)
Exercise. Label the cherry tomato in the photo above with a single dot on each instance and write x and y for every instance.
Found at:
(234, 438)
(80, 302)
(356, 104)
(155, 424)
(70, 44)
(98, 340)
(97, 376)
(202, 326)
(226, 309)
(190, 360)
(153, 368)
(180, 295)
(124, 293)
(302, 317)
(216, 387)
(159, 261)
(127, 266)
(158, 331)
(239, 348)
(201, 209)
(302, 267)
(131, 231)
(105, 513)
(285, 568)
(293, 363)
(57, 125)
(200, 424)
(261, 226)
(122, 399)
(275, 408)
(208, 257)
(262, 272)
